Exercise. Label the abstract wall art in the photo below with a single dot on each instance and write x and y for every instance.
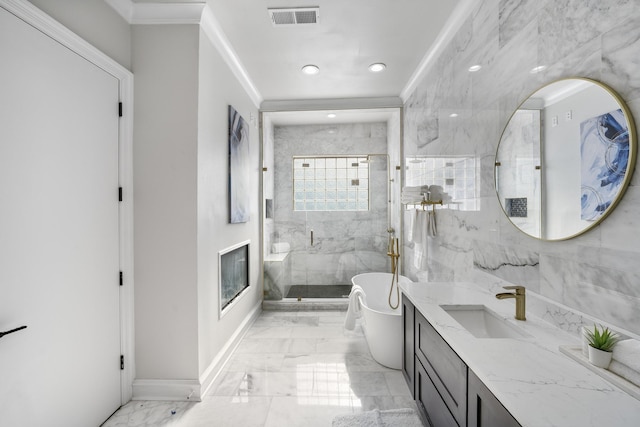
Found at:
(604, 156)
(239, 168)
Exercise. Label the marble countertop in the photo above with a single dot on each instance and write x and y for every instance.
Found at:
(538, 384)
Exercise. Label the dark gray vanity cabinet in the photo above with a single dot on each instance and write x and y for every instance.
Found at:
(447, 393)
(446, 371)
(484, 409)
(429, 400)
(408, 353)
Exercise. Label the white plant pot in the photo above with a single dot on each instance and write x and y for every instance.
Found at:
(599, 358)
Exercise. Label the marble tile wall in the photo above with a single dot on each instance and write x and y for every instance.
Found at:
(345, 243)
(596, 274)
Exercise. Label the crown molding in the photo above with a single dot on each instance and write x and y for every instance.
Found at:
(331, 104)
(453, 24)
(158, 13)
(189, 13)
(212, 29)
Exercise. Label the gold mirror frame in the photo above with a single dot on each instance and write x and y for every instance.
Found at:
(543, 151)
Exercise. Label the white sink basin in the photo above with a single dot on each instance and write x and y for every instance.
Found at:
(481, 322)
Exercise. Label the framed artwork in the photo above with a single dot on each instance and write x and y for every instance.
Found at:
(239, 168)
(604, 156)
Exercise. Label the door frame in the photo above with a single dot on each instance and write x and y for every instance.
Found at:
(50, 27)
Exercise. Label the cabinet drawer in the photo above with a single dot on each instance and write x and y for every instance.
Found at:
(429, 400)
(446, 370)
(408, 351)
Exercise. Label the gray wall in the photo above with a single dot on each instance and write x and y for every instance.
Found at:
(219, 88)
(183, 90)
(96, 22)
(165, 63)
(596, 273)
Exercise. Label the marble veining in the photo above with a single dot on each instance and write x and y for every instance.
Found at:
(596, 274)
(513, 15)
(290, 369)
(619, 46)
(525, 374)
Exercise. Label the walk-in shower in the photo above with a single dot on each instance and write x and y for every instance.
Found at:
(328, 192)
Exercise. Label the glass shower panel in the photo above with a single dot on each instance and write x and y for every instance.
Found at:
(330, 208)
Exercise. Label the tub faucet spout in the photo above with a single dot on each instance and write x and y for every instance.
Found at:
(520, 298)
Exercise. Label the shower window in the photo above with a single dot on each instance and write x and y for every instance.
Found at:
(330, 183)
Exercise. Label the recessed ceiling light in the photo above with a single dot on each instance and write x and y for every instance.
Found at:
(310, 69)
(475, 68)
(377, 67)
(453, 115)
(538, 69)
(331, 115)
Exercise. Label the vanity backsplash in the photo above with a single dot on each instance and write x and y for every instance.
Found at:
(559, 315)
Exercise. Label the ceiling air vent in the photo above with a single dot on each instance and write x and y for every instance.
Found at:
(294, 16)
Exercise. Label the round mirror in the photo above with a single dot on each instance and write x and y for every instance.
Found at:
(565, 158)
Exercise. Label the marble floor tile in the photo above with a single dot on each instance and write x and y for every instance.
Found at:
(223, 411)
(244, 362)
(290, 369)
(149, 414)
(264, 384)
(263, 345)
(296, 412)
(287, 320)
(355, 344)
(303, 345)
(269, 332)
(325, 331)
(349, 362)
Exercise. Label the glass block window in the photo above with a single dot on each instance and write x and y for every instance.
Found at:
(336, 183)
(458, 177)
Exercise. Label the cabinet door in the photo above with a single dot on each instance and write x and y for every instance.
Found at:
(429, 400)
(484, 409)
(447, 371)
(408, 343)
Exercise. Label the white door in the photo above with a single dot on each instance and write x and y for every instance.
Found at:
(59, 247)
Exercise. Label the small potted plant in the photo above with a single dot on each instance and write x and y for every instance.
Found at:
(601, 342)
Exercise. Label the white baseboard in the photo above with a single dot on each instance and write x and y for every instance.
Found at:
(169, 390)
(193, 390)
(216, 365)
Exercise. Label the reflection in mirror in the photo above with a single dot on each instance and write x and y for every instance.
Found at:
(565, 159)
(452, 179)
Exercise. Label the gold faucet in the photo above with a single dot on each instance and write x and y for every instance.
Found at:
(519, 295)
(394, 252)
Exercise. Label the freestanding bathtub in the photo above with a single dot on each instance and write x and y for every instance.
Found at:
(382, 325)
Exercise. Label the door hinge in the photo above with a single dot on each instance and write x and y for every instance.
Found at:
(122, 362)
(119, 109)
(119, 194)
(121, 279)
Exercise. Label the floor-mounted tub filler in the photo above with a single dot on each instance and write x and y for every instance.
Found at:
(382, 324)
